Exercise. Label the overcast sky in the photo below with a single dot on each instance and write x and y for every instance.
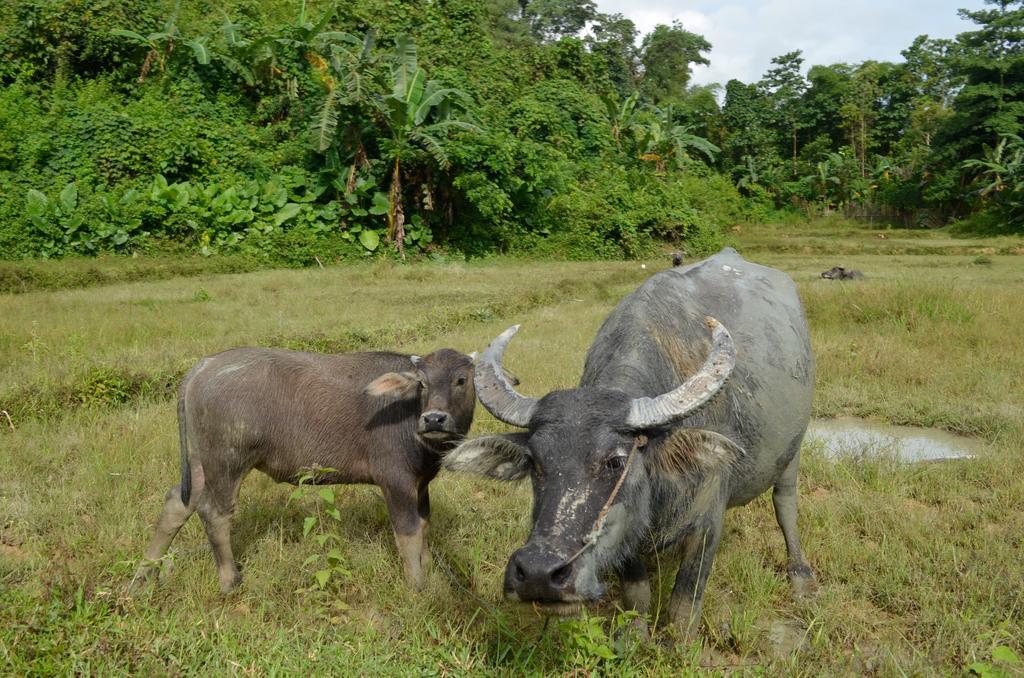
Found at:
(746, 34)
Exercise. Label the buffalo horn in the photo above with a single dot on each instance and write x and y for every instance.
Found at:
(493, 388)
(669, 407)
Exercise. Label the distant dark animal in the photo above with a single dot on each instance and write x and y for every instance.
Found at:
(674, 420)
(677, 258)
(380, 418)
(840, 273)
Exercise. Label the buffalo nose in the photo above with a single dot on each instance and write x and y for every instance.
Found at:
(538, 577)
(434, 420)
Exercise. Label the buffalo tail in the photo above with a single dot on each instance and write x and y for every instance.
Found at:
(186, 468)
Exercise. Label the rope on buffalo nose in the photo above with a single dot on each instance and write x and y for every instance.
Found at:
(595, 533)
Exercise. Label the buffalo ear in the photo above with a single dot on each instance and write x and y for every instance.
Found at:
(504, 457)
(394, 384)
(688, 450)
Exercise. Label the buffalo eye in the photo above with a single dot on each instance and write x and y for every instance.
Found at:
(615, 463)
(461, 381)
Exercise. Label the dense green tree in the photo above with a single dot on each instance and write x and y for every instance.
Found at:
(747, 115)
(826, 92)
(667, 54)
(934, 83)
(930, 64)
(554, 19)
(700, 110)
(898, 89)
(860, 110)
(989, 62)
(786, 86)
(613, 43)
(504, 21)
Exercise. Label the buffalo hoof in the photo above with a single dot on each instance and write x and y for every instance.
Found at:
(139, 582)
(145, 575)
(230, 583)
(637, 632)
(802, 582)
(416, 576)
(685, 619)
(680, 638)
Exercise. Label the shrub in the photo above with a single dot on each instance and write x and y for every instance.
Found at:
(616, 213)
(50, 38)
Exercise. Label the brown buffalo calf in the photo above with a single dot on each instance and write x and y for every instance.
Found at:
(379, 418)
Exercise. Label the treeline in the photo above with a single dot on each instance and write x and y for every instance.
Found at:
(291, 131)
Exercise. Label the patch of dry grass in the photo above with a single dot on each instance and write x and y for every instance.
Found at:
(112, 343)
(838, 236)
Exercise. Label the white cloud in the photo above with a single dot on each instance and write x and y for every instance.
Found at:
(745, 35)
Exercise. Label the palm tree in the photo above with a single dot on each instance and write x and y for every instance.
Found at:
(418, 115)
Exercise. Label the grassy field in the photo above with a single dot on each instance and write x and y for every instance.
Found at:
(920, 566)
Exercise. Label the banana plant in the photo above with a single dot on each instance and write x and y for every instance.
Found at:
(161, 44)
(418, 115)
(747, 174)
(663, 139)
(1000, 176)
(825, 180)
(344, 74)
(621, 115)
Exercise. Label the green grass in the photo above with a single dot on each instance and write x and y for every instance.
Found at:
(839, 237)
(42, 274)
(920, 566)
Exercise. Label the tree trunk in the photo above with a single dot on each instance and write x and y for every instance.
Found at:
(396, 216)
(358, 160)
(863, 146)
(794, 150)
(146, 65)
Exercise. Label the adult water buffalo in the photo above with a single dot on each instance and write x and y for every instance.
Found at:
(657, 440)
(840, 273)
(380, 418)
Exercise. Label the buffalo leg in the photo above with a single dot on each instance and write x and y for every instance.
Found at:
(636, 593)
(424, 511)
(410, 530)
(216, 507)
(172, 517)
(801, 578)
(636, 587)
(699, 548)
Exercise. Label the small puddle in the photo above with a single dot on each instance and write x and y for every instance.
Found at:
(859, 438)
